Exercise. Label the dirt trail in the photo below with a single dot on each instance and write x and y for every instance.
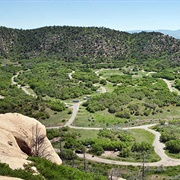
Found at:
(171, 89)
(158, 146)
(70, 74)
(24, 88)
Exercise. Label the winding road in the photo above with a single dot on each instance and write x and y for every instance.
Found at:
(158, 146)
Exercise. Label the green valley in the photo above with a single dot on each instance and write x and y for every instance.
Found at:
(105, 96)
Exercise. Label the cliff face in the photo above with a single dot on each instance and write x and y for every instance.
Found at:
(21, 137)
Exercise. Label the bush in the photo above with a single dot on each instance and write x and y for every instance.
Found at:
(103, 82)
(123, 114)
(56, 105)
(173, 146)
(140, 147)
(5, 170)
(97, 149)
(125, 152)
(52, 133)
(67, 154)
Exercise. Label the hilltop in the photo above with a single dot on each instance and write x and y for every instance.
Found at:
(175, 33)
(87, 44)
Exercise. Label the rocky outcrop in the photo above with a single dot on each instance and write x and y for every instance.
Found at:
(22, 136)
(9, 178)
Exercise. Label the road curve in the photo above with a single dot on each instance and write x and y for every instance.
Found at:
(74, 113)
(158, 146)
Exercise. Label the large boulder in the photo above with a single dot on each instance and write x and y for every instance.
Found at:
(22, 136)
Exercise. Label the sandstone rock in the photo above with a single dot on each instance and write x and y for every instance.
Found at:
(22, 136)
(9, 178)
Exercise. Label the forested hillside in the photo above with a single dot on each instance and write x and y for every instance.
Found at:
(88, 44)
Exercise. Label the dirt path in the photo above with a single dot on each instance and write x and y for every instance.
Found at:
(24, 88)
(158, 146)
(13, 82)
(171, 89)
(150, 73)
(70, 74)
(74, 113)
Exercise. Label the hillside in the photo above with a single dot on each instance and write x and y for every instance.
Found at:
(175, 33)
(83, 43)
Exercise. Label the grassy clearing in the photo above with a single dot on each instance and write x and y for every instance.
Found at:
(141, 135)
(137, 157)
(98, 119)
(105, 119)
(109, 72)
(56, 118)
(109, 87)
(85, 134)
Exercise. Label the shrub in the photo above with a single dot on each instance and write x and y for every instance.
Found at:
(173, 146)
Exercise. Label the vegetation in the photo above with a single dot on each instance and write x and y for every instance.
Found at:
(134, 97)
(120, 141)
(51, 79)
(170, 135)
(48, 170)
(89, 45)
(5, 170)
(94, 171)
(57, 64)
(15, 100)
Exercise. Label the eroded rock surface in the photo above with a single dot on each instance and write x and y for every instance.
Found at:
(21, 136)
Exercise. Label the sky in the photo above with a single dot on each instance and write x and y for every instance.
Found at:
(123, 15)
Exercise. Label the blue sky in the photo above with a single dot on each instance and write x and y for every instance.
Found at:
(115, 14)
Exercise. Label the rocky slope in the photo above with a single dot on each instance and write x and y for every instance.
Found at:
(21, 137)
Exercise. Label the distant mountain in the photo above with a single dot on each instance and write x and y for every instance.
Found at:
(175, 34)
(87, 44)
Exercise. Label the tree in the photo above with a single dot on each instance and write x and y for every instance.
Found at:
(97, 149)
(38, 145)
